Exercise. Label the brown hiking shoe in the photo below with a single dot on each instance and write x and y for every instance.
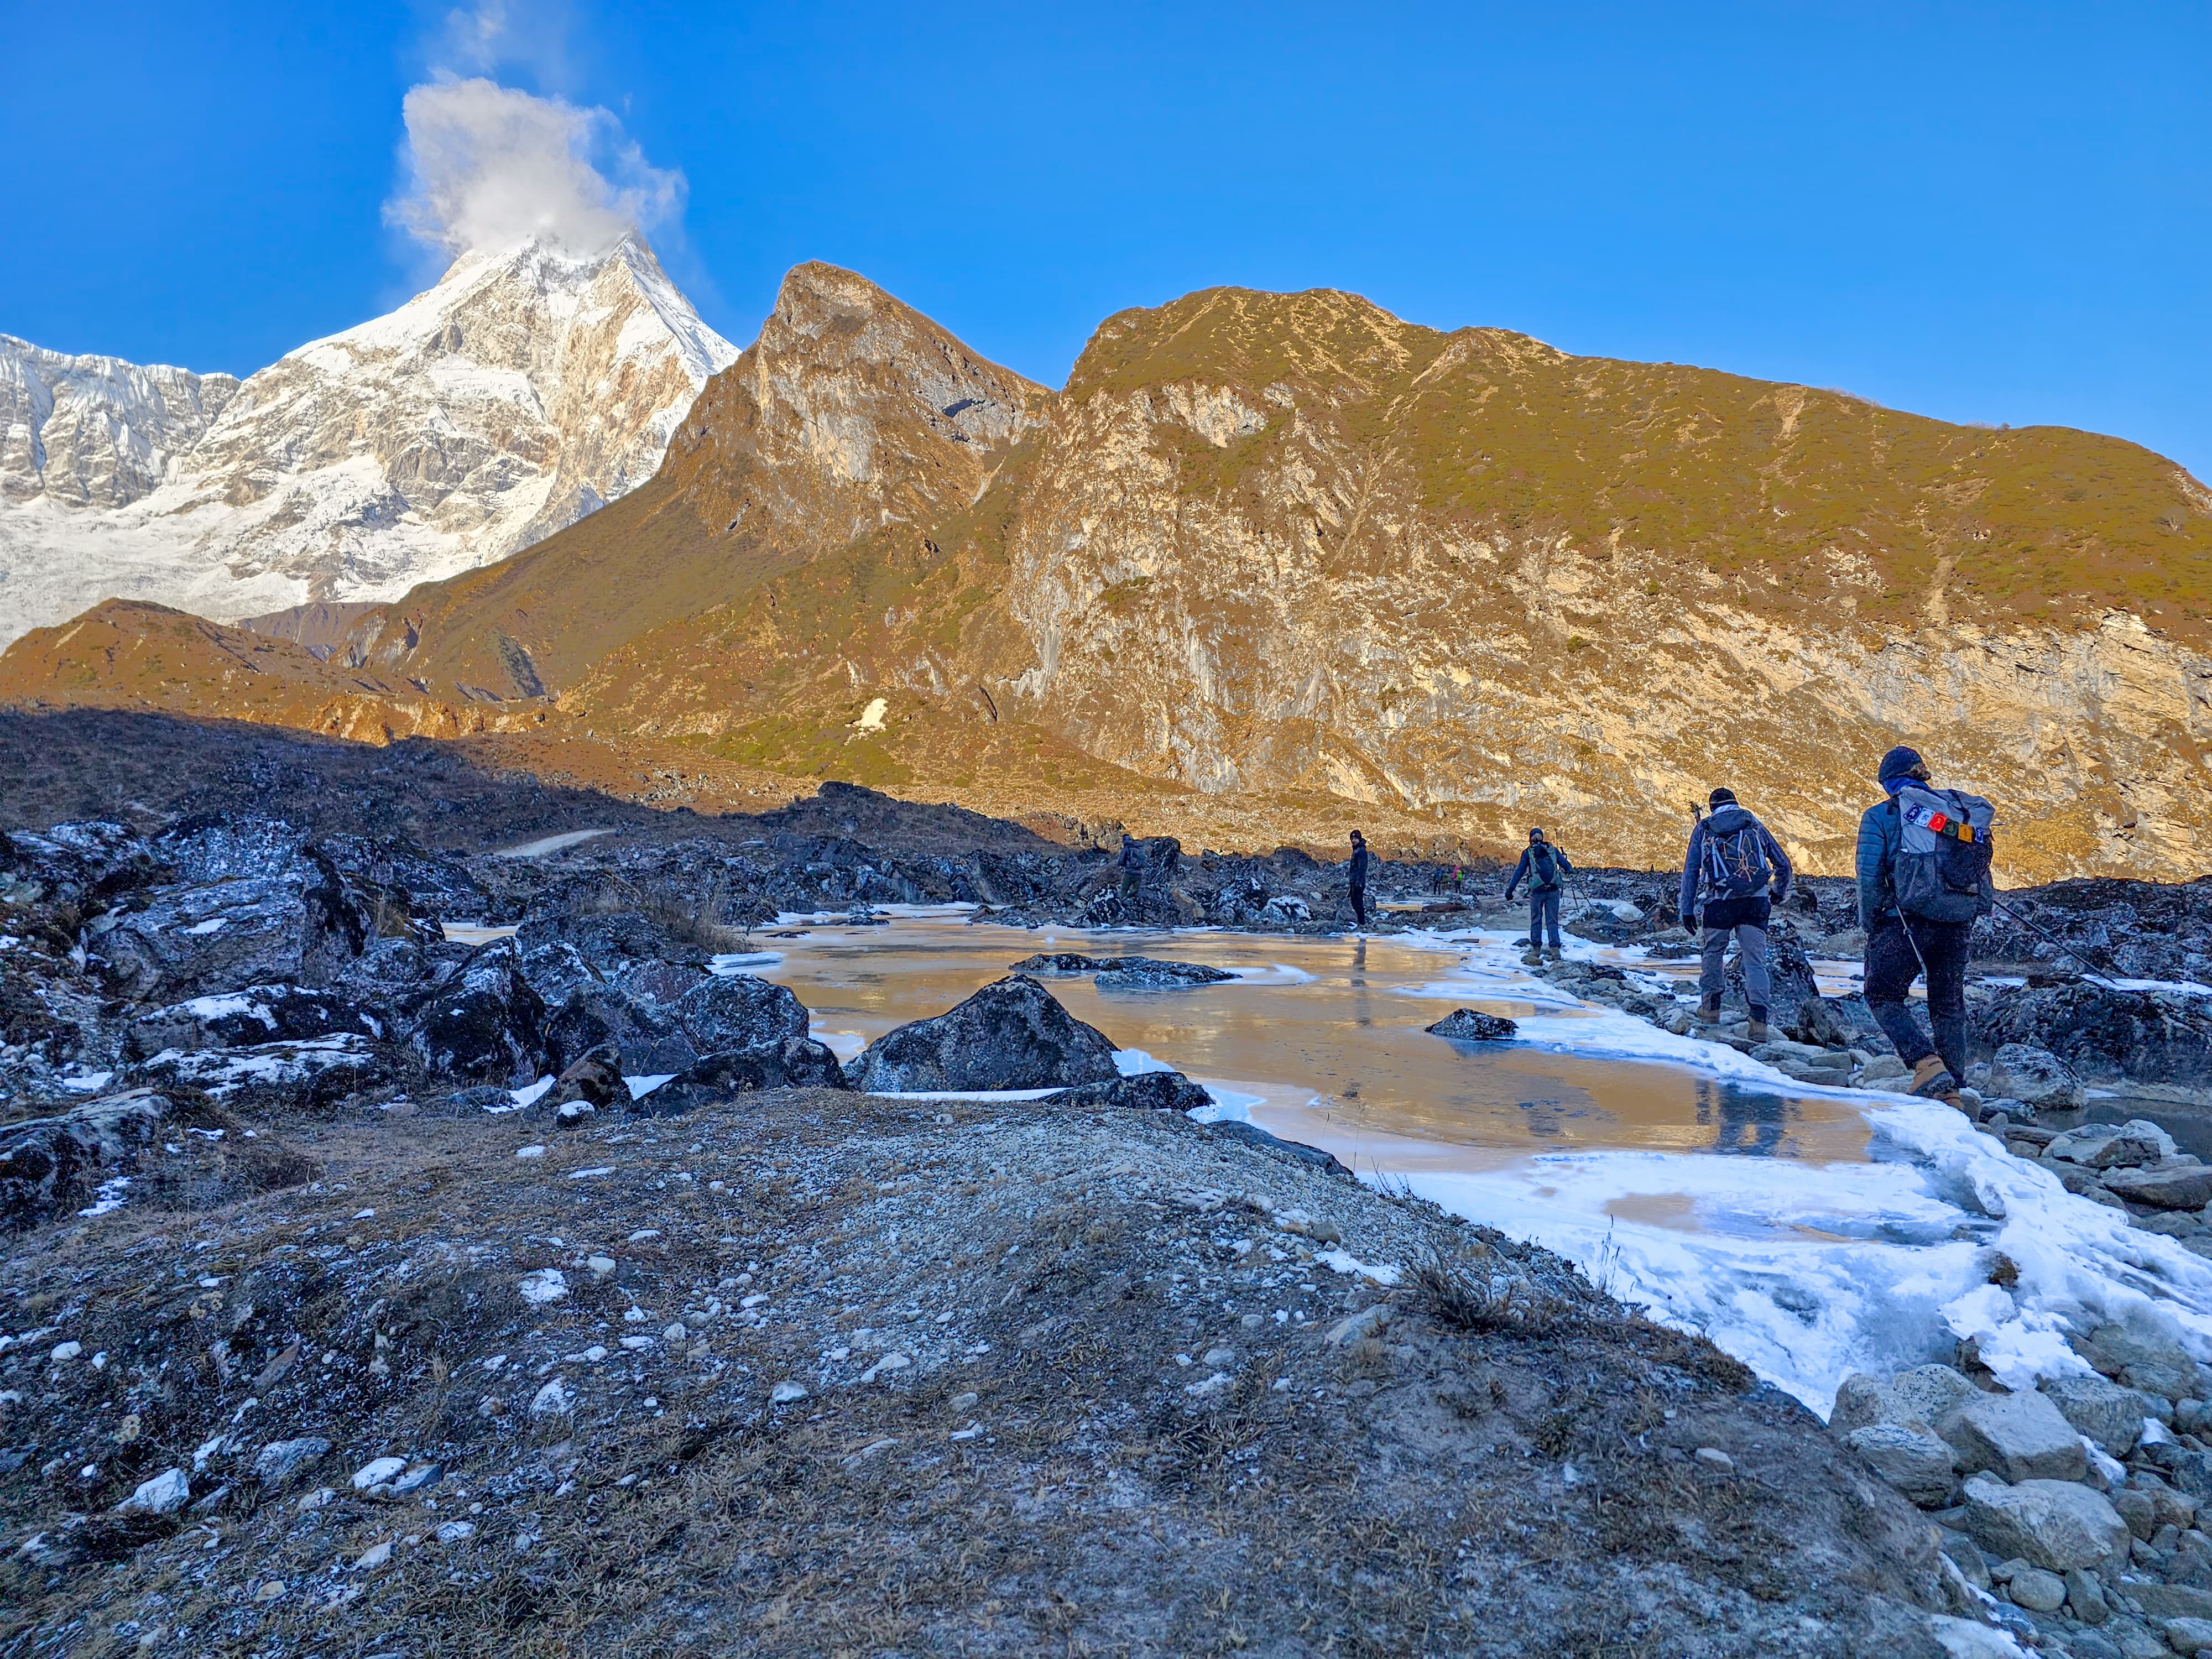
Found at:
(1709, 1011)
(1550, 953)
(1757, 1031)
(1932, 1080)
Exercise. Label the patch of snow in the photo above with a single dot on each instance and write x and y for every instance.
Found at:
(531, 1094)
(1135, 1062)
(640, 1087)
(547, 844)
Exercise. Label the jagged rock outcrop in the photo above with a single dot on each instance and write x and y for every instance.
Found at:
(525, 390)
(1266, 549)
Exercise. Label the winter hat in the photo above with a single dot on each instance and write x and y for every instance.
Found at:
(1899, 765)
(1721, 798)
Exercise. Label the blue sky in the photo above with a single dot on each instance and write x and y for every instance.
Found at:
(2000, 213)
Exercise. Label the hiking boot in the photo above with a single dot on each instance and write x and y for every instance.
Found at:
(1709, 1011)
(1531, 956)
(1550, 953)
(1932, 1080)
(1756, 1030)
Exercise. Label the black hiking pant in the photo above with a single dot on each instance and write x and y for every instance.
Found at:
(1543, 916)
(1901, 949)
(1359, 905)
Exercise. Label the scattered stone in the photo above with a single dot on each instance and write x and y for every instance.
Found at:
(2189, 1636)
(2113, 1146)
(784, 1393)
(2085, 1597)
(280, 1460)
(164, 1494)
(2109, 1414)
(375, 1556)
(1928, 1394)
(2020, 1437)
(2052, 1524)
(2169, 1187)
(377, 1472)
(1915, 1461)
(2037, 1590)
(544, 1286)
(2036, 1077)
(1714, 1458)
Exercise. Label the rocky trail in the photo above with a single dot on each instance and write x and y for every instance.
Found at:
(367, 1290)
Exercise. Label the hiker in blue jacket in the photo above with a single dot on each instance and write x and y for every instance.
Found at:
(1733, 876)
(1543, 866)
(1901, 948)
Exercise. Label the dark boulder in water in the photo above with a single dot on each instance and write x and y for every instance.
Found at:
(1125, 973)
(1147, 1092)
(1252, 1135)
(1468, 1025)
(1011, 1035)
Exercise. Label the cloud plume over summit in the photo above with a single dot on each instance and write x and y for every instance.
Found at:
(488, 166)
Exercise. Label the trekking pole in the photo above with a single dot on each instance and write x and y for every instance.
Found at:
(2103, 970)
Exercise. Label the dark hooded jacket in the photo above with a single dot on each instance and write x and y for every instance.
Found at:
(1726, 821)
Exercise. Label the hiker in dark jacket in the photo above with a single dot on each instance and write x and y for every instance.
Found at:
(1132, 876)
(1356, 876)
(1543, 866)
(1733, 876)
(1901, 948)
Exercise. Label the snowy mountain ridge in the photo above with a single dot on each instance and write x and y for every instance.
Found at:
(527, 389)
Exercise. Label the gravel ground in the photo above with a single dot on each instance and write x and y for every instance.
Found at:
(1090, 1382)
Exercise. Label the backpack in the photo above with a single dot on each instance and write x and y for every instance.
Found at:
(1545, 867)
(1735, 863)
(1944, 850)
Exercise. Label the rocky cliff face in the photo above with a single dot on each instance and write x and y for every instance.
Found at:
(1273, 558)
(522, 392)
(96, 431)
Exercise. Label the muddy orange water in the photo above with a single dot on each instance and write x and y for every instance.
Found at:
(1325, 1039)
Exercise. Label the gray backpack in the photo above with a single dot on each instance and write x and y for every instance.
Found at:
(1943, 853)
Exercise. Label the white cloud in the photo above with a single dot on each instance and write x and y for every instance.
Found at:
(489, 167)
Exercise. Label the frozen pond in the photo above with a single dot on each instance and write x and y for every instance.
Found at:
(1810, 1231)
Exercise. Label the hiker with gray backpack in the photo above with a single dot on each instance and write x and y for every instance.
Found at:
(1544, 868)
(1924, 873)
(1733, 876)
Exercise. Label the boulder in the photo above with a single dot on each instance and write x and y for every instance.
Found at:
(595, 1078)
(1927, 1393)
(188, 941)
(1147, 1092)
(282, 1462)
(2109, 1414)
(1821, 1024)
(312, 1072)
(258, 1013)
(2020, 1437)
(2105, 1037)
(53, 1165)
(1470, 1025)
(1911, 1460)
(1143, 974)
(2146, 1360)
(740, 1011)
(1296, 1151)
(1789, 971)
(2174, 1186)
(2114, 1146)
(84, 865)
(2036, 1076)
(484, 1022)
(800, 1063)
(1862, 1401)
(648, 1040)
(2051, 1524)
(1010, 1034)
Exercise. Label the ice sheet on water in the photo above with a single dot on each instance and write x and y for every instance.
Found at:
(730, 963)
(1808, 1273)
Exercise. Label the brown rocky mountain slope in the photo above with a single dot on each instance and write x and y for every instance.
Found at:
(1290, 548)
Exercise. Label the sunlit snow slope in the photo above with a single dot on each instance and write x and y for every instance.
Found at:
(524, 390)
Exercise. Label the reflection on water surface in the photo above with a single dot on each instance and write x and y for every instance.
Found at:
(1326, 1035)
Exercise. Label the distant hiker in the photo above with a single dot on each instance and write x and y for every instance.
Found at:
(1543, 866)
(1733, 876)
(1924, 869)
(1132, 876)
(1356, 876)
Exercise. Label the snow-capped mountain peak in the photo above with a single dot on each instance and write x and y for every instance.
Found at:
(525, 389)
